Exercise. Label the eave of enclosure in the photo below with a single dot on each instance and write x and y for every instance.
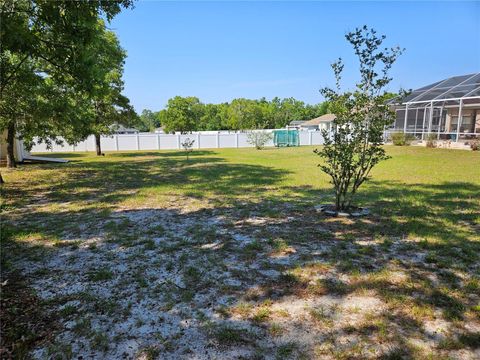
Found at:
(442, 100)
(448, 89)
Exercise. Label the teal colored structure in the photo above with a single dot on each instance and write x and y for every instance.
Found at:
(286, 138)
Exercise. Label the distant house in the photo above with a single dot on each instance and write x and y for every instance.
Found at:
(120, 129)
(323, 122)
(295, 124)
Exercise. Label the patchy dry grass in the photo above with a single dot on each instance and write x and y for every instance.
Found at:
(145, 255)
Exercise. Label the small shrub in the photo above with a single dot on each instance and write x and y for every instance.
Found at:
(402, 139)
(187, 145)
(259, 138)
(475, 145)
(431, 140)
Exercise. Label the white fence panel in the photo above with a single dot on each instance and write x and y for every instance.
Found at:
(81, 146)
(108, 143)
(127, 142)
(39, 148)
(208, 141)
(168, 142)
(304, 137)
(242, 140)
(317, 138)
(89, 143)
(227, 141)
(60, 148)
(147, 142)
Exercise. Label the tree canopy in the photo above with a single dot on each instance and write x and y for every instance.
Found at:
(49, 66)
(185, 114)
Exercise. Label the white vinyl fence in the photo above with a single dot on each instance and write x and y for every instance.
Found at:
(149, 141)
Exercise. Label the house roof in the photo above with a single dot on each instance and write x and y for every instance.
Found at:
(120, 128)
(321, 119)
(296, 122)
(453, 88)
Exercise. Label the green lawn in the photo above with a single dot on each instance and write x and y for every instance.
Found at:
(229, 242)
(424, 193)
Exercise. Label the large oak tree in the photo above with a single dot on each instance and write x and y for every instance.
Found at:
(47, 66)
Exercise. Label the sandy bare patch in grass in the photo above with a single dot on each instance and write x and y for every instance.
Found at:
(172, 283)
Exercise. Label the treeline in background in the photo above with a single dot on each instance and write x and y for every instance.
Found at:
(185, 114)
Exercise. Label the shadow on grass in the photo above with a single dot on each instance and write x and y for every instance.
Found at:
(68, 155)
(113, 181)
(162, 153)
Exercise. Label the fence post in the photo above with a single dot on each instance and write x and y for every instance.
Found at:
(158, 141)
(236, 139)
(310, 138)
(116, 142)
(198, 140)
(178, 141)
(138, 142)
(218, 140)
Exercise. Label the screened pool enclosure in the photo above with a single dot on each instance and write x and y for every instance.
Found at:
(448, 109)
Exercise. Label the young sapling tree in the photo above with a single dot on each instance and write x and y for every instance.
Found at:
(187, 145)
(354, 144)
(259, 138)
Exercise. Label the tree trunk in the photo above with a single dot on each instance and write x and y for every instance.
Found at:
(1, 179)
(98, 145)
(11, 145)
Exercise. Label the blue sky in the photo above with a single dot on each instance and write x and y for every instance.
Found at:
(218, 51)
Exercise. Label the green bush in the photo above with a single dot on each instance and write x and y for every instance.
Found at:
(475, 145)
(402, 139)
(431, 140)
